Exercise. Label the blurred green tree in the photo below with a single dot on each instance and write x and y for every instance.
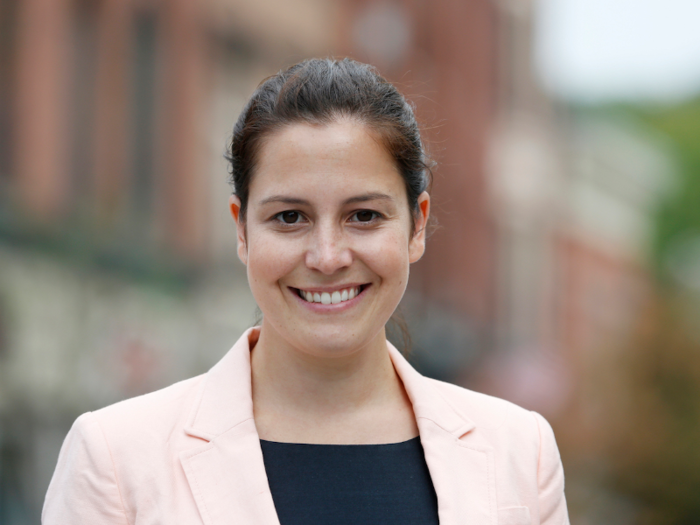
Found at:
(679, 213)
(654, 418)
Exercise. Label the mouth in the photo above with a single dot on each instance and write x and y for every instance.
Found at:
(334, 297)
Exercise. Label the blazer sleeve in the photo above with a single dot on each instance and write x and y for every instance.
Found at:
(84, 488)
(550, 477)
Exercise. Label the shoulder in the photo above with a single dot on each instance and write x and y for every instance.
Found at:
(504, 425)
(115, 457)
(523, 447)
(487, 412)
(156, 412)
(135, 429)
(100, 448)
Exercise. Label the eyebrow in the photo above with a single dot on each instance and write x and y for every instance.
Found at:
(352, 200)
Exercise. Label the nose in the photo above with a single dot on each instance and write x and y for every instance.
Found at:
(328, 251)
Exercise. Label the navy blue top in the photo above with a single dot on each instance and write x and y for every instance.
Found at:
(350, 484)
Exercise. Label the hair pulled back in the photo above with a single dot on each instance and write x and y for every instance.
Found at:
(321, 91)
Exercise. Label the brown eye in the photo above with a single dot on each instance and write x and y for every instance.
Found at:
(364, 215)
(290, 217)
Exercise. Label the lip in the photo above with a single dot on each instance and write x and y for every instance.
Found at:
(320, 307)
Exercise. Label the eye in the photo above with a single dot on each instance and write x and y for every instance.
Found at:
(289, 217)
(365, 216)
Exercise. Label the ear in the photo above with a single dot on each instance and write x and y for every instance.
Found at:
(416, 246)
(234, 204)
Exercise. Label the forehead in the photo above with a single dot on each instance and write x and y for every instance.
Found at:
(325, 160)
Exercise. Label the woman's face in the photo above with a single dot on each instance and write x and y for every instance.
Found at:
(327, 239)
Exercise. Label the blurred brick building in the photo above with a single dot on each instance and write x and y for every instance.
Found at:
(118, 272)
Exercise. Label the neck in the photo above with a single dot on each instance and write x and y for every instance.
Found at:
(302, 397)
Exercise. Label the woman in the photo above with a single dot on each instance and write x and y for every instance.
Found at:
(314, 417)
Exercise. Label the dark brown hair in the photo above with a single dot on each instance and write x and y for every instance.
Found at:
(320, 91)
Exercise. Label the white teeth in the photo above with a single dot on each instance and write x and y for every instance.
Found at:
(336, 297)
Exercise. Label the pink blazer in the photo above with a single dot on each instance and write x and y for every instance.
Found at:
(190, 454)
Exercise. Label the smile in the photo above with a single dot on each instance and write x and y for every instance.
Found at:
(338, 296)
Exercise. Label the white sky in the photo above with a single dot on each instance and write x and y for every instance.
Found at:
(595, 50)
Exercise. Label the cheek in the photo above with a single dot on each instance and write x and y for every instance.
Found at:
(269, 260)
(387, 256)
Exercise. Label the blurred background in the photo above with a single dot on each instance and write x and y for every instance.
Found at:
(564, 275)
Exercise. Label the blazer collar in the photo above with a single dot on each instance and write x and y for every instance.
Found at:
(227, 472)
(225, 397)
(427, 402)
(460, 461)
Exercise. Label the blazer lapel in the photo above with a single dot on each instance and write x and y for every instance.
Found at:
(228, 479)
(461, 464)
(226, 472)
(462, 475)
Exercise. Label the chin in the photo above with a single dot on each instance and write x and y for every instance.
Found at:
(329, 341)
